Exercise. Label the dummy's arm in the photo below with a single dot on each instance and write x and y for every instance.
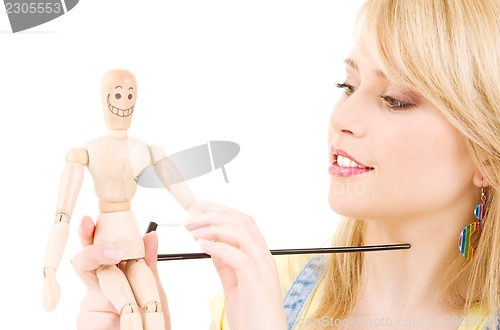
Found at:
(166, 172)
(71, 181)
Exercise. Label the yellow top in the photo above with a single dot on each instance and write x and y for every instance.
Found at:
(290, 266)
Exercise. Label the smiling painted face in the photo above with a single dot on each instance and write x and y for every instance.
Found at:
(119, 93)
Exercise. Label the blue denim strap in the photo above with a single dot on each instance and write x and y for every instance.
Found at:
(497, 325)
(302, 287)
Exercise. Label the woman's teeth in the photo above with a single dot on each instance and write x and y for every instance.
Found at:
(346, 162)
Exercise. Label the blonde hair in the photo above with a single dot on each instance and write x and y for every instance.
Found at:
(449, 51)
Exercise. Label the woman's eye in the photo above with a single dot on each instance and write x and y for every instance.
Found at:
(348, 89)
(395, 104)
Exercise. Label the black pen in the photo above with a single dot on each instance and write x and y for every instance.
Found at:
(187, 256)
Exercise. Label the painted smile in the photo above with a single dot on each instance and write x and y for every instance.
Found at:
(344, 165)
(120, 112)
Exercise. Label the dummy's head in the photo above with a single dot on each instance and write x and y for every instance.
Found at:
(119, 93)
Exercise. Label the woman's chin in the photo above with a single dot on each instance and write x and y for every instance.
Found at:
(342, 206)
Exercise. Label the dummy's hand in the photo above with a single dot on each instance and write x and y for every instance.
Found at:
(245, 266)
(96, 312)
(51, 289)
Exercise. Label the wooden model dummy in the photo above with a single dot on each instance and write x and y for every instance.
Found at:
(113, 162)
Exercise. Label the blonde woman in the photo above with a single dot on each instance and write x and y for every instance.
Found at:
(418, 128)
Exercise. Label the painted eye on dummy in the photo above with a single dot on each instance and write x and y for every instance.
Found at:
(130, 96)
(118, 96)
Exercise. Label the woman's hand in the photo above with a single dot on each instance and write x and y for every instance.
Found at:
(246, 267)
(96, 312)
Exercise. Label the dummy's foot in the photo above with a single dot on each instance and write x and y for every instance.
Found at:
(154, 321)
(130, 319)
(153, 317)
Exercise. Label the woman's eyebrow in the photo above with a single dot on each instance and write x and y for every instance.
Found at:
(352, 64)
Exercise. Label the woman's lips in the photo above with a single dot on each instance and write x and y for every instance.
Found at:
(345, 165)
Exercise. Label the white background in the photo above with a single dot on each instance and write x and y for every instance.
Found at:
(259, 73)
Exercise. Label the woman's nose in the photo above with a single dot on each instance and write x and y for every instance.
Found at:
(348, 117)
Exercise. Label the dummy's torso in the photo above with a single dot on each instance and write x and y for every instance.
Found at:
(113, 165)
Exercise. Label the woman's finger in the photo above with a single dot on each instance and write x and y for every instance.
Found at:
(151, 248)
(97, 313)
(97, 320)
(221, 219)
(236, 259)
(206, 206)
(86, 231)
(206, 219)
(245, 275)
(237, 236)
(90, 258)
(209, 210)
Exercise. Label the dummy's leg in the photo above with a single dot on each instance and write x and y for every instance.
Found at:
(143, 283)
(116, 288)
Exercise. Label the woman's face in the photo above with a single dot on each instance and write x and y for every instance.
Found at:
(394, 154)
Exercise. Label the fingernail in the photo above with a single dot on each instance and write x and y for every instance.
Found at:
(199, 231)
(187, 222)
(191, 220)
(112, 253)
(206, 242)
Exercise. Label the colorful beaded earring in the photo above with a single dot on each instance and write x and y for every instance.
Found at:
(464, 241)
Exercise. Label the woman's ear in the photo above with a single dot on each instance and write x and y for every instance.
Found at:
(479, 180)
